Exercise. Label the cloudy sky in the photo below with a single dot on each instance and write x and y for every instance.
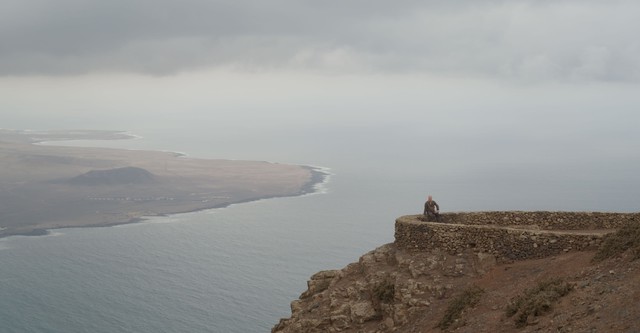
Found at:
(579, 40)
(535, 89)
(462, 62)
(95, 59)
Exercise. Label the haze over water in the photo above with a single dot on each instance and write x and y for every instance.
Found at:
(236, 269)
(475, 103)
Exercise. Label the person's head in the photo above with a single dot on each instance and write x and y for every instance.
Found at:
(429, 198)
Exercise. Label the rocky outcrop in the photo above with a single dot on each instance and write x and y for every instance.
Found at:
(407, 285)
(387, 289)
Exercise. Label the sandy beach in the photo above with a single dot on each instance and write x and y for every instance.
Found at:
(45, 186)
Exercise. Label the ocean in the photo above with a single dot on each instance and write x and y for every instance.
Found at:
(236, 269)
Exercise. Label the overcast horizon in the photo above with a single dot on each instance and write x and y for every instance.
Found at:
(567, 40)
(523, 43)
(488, 105)
(295, 49)
(520, 88)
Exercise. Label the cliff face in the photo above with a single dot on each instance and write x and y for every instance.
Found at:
(399, 288)
(388, 288)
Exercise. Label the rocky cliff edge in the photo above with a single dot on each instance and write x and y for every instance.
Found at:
(394, 289)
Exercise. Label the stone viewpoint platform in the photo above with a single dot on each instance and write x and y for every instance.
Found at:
(511, 235)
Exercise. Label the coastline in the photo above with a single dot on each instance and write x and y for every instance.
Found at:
(318, 178)
(245, 181)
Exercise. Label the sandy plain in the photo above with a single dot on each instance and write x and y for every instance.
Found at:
(39, 188)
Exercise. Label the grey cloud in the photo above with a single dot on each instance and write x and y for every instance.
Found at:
(527, 40)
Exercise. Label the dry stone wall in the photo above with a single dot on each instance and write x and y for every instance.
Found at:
(545, 220)
(510, 235)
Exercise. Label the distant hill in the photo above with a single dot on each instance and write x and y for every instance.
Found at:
(118, 176)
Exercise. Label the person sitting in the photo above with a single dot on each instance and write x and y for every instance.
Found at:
(431, 210)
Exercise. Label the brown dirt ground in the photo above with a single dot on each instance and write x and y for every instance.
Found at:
(605, 298)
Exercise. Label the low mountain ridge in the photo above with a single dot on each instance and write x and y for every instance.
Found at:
(117, 176)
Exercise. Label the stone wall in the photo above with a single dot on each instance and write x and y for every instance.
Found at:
(510, 235)
(545, 220)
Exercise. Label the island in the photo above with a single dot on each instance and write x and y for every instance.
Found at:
(45, 187)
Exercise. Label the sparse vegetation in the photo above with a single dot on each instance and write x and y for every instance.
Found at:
(626, 238)
(468, 298)
(384, 291)
(538, 300)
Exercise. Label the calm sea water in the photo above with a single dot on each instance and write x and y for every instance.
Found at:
(234, 269)
(237, 269)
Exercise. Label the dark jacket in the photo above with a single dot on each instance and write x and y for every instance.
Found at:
(430, 207)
